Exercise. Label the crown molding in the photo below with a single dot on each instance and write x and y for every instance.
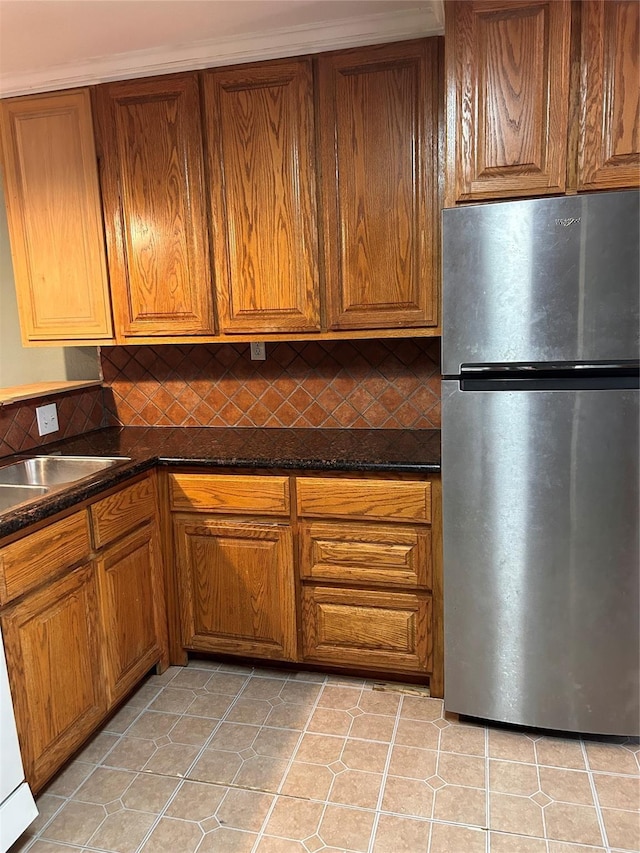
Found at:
(291, 41)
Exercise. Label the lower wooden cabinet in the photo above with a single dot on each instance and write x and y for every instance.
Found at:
(236, 586)
(367, 628)
(52, 641)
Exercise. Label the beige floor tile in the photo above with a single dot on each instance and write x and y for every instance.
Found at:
(401, 835)
(130, 753)
(234, 737)
(289, 716)
(569, 822)
(293, 818)
(517, 815)
(467, 740)
(244, 809)
(365, 755)
(189, 678)
(373, 727)
(152, 725)
(407, 797)
(276, 743)
(346, 828)
(461, 769)
(66, 782)
(618, 792)
(308, 780)
(143, 695)
(458, 804)
(417, 733)
(269, 844)
(611, 758)
(168, 675)
(123, 831)
(419, 708)
(564, 847)
(346, 680)
(567, 786)
(300, 692)
(557, 752)
(47, 805)
(320, 749)
(196, 801)
(330, 722)
(172, 834)
(252, 711)
(502, 842)
(308, 675)
(75, 823)
(511, 746)
(193, 730)
(356, 788)
(225, 682)
(413, 763)
(214, 765)
(104, 785)
(174, 759)
(261, 772)
(96, 749)
(622, 828)
(454, 839)
(338, 697)
(213, 705)
(42, 846)
(121, 720)
(149, 793)
(379, 702)
(223, 840)
(174, 700)
(262, 688)
(513, 777)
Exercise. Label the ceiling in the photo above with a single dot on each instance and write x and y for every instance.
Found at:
(54, 44)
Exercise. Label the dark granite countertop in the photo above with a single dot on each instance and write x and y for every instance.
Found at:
(352, 450)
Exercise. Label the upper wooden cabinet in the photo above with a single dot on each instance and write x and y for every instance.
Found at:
(508, 66)
(55, 219)
(259, 132)
(153, 185)
(378, 120)
(609, 148)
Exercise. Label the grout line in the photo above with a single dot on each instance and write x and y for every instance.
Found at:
(385, 775)
(594, 793)
(487, 789)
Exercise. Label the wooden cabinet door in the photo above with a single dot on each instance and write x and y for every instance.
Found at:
(52, 642)
(378, 119)
(609, 146)
(236, 584)
(260, 144)
(155, 207)
(55, 218)
(507, 97)
(377, 630)
(133, 608)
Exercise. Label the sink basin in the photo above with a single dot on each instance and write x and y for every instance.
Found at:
(53, 471)
(13, 496)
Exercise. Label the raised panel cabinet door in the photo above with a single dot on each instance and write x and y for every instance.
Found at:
(55, 218)
(236, 587)
(155, 207)
(133, 609)
(609, 146)
(52, 642)
(378, 120)
(260, 144)
(507, 97)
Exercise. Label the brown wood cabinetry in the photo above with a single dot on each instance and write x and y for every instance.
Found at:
(81, 623)
(521, 77)
(153, 185)
(609, 147)
(378, 126)
(55, 218)
(259, 128)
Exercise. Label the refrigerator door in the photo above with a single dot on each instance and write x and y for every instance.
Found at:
(540, 502)
(541, 280)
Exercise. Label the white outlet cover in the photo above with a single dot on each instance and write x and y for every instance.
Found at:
(47, 417)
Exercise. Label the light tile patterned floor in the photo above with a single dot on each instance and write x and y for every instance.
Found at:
(223, 758)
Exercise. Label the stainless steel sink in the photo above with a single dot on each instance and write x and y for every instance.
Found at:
(13, 496)
(53, 471)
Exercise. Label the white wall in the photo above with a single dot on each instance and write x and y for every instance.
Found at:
(24, 365)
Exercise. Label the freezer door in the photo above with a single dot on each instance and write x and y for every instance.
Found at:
(541, 280)
(541, 562)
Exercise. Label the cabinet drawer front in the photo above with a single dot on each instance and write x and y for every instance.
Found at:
(116, 515)
(372, 629)
(376, 499)
(31, 561)
(230, 493)
(362, 554)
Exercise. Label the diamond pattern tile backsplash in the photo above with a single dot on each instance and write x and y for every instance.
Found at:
(78, 412)
(390, 383)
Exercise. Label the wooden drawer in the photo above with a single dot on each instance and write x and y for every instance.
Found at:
(377, 630)
(384, 500)
(121, 512)
(381, 555)
(31, 561)
(233, 493)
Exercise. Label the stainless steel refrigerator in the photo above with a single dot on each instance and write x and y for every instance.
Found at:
(540, 441)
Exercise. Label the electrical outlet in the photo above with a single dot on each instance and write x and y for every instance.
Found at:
(258, 351)
(47, 417)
